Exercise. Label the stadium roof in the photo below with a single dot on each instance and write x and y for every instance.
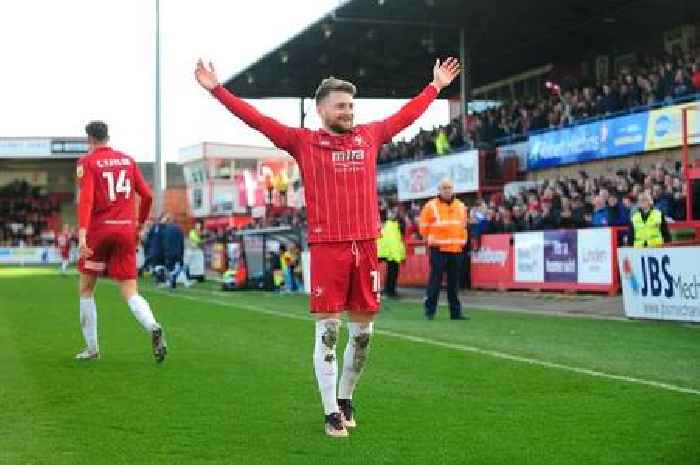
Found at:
(387, 47)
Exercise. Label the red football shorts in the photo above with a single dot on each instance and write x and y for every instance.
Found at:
(65, 253)
(344, 276)
(114, 254)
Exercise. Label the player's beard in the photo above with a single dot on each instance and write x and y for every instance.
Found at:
(341, 126)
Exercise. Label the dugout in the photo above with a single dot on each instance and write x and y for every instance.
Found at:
(259, 249)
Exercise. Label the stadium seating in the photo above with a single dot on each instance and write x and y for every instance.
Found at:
(27, 215)
(657, 81)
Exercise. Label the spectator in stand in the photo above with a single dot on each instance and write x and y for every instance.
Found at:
(663, 200)
(601, 214)
(617, 214)
(549, 219)
(442, 143)
(696, 76)
(681, 85)
(505, 223)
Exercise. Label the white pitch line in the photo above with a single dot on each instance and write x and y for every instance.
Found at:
(458, 347)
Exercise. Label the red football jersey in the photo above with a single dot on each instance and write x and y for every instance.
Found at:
(339, 171)
(63, 241)
(108, 182)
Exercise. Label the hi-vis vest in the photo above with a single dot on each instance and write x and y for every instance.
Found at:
(195, 238)
(443, 225)
(648, 234)
(390, 245)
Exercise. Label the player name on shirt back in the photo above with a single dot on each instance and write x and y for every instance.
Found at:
(110, 162)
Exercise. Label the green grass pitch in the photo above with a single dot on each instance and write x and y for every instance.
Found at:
(238, 386)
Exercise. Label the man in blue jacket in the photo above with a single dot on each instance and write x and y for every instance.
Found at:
(153, 246)
(601, 214)
(173, 241)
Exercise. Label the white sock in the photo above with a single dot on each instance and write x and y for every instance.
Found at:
(88, 322)
(142, 311)
(355, 357)
(326, 363)
(64, 265)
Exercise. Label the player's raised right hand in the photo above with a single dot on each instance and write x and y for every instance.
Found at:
(206, 77)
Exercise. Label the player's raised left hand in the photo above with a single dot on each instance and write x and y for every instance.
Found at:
(445, 72)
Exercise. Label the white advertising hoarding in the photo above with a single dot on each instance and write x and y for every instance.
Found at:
(29, 255)
(420, 179)
(25, 147)
(540, 256)
(595, 256)
(661, 283)
(529, 257)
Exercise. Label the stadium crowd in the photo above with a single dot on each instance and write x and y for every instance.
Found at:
(655, 81)
(586, 200)
(25, 212)
(569, 202)
(583, 201)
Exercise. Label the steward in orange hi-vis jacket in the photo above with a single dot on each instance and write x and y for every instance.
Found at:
(443, 225)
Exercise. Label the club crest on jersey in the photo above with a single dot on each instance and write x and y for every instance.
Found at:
(358, 140)
(79, 171)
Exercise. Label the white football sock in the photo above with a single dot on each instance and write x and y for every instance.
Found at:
(64, 266)
(88, 322)
(326, 363)
(355, 357)
(142, 311)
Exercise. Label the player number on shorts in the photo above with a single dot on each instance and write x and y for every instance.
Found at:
(375, 280)
(123, 185)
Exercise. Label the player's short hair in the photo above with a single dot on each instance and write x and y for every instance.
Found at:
(97, 130)
(332, 84)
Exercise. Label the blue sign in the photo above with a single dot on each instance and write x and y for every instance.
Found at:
(587, 142)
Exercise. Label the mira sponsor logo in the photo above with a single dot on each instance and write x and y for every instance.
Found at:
(348, 161)
(348, 155)
(658, 279)
(488, 256)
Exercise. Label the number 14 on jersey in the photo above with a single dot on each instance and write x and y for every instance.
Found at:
(122, 184)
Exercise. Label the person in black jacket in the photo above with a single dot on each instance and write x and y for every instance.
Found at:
(153, 247)
(173, 243)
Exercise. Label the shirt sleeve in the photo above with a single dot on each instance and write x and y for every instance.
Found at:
(385, 130)
(426, 220)
(144, 193)
(282, 136)
(86, 196)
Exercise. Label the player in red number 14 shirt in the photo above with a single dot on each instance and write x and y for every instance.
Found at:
(63, 244)
(338, 168)
(108, 229)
